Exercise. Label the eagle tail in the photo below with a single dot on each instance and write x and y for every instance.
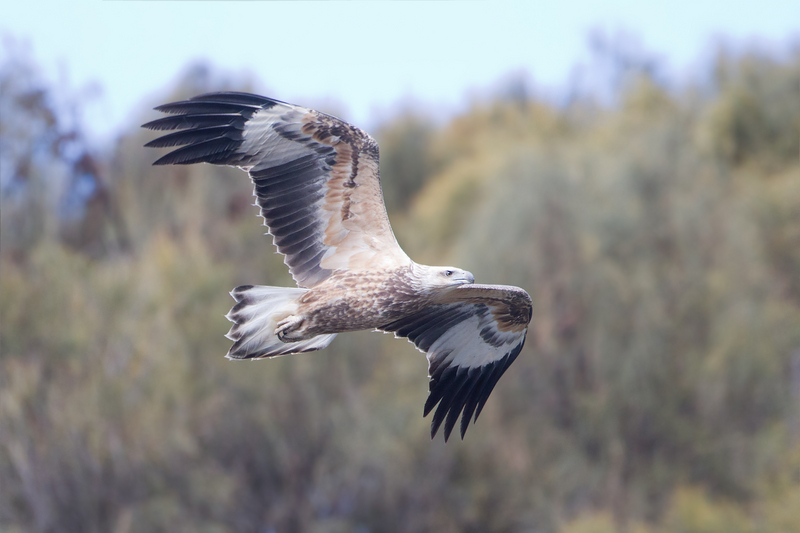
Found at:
(255, 317)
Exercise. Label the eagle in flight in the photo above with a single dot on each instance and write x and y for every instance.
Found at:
(317, 183)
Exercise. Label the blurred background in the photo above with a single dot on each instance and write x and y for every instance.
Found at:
(635, 169)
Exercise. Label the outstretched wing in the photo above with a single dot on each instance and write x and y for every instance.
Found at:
(471, 335)
(316, 177)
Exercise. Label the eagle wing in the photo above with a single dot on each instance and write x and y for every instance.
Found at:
(316, 177)
(471, 335)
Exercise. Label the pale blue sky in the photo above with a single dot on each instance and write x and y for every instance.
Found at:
(365, 56)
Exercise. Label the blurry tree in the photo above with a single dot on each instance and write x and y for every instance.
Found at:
(662, 336)
(616, 60)
(755, 118)
(406, 159)
(51, 183)
(30, 138)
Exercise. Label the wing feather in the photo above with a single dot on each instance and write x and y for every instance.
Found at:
(315, 177)
(181, 122)
(471, 335)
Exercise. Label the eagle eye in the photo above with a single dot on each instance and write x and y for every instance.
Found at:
(448, 273)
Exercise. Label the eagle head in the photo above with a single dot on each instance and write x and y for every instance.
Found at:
(442, 276)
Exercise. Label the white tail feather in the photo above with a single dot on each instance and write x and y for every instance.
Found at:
(255, 316)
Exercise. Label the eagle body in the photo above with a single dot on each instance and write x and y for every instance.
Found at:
(358, 300)
(317, 183)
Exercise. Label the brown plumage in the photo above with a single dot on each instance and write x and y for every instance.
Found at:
(316, 180)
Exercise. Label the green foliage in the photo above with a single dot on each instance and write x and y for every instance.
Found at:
(756, 116)
(662, 335)
(406, 159)
(659, 390)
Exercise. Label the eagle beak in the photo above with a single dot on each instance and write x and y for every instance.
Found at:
(469, 277)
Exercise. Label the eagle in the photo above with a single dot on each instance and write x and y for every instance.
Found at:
(316, 180)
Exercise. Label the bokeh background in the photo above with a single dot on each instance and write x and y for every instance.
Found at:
(635, 168)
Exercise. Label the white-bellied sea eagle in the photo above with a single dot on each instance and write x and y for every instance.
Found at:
(317, 184)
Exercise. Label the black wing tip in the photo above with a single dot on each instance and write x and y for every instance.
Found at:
(448, 426)
(232, 98)
(152, 125)
(447, 391)
(235, 97)
(462, 393)
(221, 150)
(211, 127)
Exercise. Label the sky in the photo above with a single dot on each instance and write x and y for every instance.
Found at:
(363, 58)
